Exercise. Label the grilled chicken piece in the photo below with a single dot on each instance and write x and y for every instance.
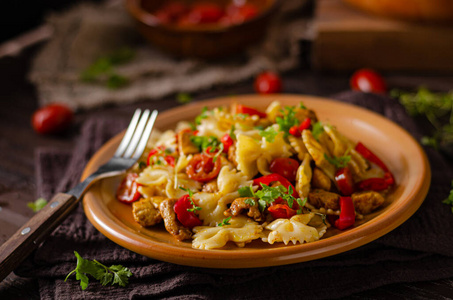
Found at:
(239, 205)
(367, 201)
(320, 180)
(185, 145)
(145, 213)
(320, 198)
(210, 187)
(172, 224)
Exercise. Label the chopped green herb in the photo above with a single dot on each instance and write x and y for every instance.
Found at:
(246, 191)
(194, 206)
(302, 106)
(317, 130)
(301, 203)
(203, 142)
(115, 274)
(242, 116)
(269, 134)
(449, 200)
(225, 222)
(288, 120)
(437, 108)
(37, 205)
(232, 134)
(102, 70)
(204, 114)
(250, 201)
(338, 162)
(183, 98)
(142, 165)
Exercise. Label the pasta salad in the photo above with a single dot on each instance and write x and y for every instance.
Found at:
(238, 174)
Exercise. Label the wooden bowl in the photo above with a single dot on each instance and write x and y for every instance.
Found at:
(208, 41)
(411, 10)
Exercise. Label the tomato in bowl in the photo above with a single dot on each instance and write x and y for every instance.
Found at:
(202, 28)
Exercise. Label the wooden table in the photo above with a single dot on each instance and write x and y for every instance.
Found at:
(18, 143)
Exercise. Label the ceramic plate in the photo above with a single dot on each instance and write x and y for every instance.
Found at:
(389, 141)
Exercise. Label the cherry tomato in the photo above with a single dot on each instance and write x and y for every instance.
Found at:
(53, 118)
(187, 218)
(281, 211)
(286, 167)
(242, 109)
(127, 191)
(203, 168)
(368, 81)
(156, 154)
(268, 83)
(344, 180)
(202, 13)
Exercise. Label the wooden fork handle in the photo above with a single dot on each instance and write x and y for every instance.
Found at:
(30, 235)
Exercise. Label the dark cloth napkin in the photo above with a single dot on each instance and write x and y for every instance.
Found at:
(418, 250)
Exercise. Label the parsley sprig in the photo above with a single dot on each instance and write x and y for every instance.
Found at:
(115, 274)
(437, 108)
(339, 161)
(225, 222)
(194, 206)
(287, 120)
(267, 195)
(449, 200)
(269, 134)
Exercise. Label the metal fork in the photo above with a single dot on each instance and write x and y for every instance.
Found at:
(30, 235)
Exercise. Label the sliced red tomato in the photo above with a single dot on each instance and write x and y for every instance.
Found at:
(281, 211)
(187, 218)
(286, 167)
(344, 180)
(242, 109)
(127, 191)
(268, 83)
(368, 81)
(202, 167)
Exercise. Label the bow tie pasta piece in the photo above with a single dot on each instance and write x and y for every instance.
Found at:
(318, 153)
(241, 231)
(294, 230)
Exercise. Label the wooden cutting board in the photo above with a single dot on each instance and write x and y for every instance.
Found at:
(347, 39)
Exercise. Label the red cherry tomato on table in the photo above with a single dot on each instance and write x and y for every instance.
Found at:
(53, 118)
(127, 191)
(286, 167)
(203, 168)
(237, 14)
(268, 83)
(368, 81)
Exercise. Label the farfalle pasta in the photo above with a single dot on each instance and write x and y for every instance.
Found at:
(238, 175)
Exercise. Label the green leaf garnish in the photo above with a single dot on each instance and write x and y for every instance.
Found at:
(225, 222)
(246, 191)
(338, 162)
(183, 98)
(194, 206)
(250, 201)
(115, 274)
(449, 200)
(203, 142)
(317, 130)
(269, 134)
(204, 114)
(37, 205)
(288, 120)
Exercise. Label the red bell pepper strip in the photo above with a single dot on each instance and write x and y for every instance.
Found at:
(373, 184)
(268, 179)
(127, 191)
(347, 213)
(296, 130)
(345, 183)
(242, 109)
(367, 154)
(187, 218)
(281, 211)
(227, 142)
